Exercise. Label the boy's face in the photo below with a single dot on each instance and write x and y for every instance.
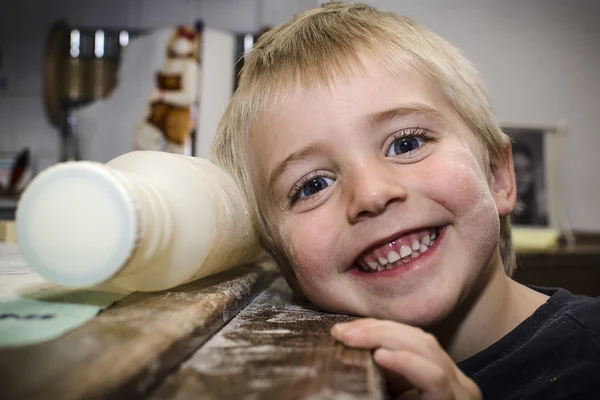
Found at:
(375, 169)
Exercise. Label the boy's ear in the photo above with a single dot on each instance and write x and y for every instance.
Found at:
(504, 184)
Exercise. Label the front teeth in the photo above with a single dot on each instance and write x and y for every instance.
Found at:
(407, 253)
(393, 256)
(415, 245)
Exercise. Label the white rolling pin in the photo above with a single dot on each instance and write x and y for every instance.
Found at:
(144, 221)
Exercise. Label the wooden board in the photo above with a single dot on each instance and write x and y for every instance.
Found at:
(276, 348)
(128, 349)
(577, 269)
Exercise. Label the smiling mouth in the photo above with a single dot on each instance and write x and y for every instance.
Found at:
(399, 251)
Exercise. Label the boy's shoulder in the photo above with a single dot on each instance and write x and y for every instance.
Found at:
(583, 310)
(554, 354)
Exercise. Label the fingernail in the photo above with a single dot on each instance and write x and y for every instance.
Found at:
(338, 329)
(382, 353)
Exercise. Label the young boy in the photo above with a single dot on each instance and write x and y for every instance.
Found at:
(382, 185)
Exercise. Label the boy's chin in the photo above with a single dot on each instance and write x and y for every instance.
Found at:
(416, 317)
(407, 311)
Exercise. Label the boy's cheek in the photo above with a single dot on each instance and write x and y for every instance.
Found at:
(312, 251)
(309, 243)
(457, 182)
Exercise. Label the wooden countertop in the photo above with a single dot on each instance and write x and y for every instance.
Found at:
(239, 334)
(275, 348)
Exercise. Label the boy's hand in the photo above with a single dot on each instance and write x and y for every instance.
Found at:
(411, 354)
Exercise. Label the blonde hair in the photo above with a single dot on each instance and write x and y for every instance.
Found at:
(325, 43)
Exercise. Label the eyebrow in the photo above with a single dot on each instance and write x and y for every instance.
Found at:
(305, 152)
(378, 118)
(407, 110)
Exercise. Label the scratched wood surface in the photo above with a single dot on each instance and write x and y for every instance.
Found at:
(129, 348)
(276, 348)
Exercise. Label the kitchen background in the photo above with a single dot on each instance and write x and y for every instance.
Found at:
(540, 60)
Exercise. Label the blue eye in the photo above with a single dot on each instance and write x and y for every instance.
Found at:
(313, 186)
(405, 145)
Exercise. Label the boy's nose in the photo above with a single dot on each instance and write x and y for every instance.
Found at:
(372, 191)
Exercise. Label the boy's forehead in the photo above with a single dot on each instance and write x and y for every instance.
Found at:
(356, 97)
(301, 117)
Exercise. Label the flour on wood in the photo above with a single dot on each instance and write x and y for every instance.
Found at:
(277, 347)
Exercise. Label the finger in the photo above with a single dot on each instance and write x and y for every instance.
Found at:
(431, 380)
(362, 322)
(355, 329)
(371, 325)
(372, 334)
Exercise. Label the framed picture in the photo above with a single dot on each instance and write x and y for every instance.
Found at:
(537, 161)
(531, 173)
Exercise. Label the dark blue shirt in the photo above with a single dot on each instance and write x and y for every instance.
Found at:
(554, 354)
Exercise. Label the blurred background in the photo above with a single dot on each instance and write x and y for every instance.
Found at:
(539, 59)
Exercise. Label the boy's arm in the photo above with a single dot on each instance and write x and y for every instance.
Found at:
(410, 354)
